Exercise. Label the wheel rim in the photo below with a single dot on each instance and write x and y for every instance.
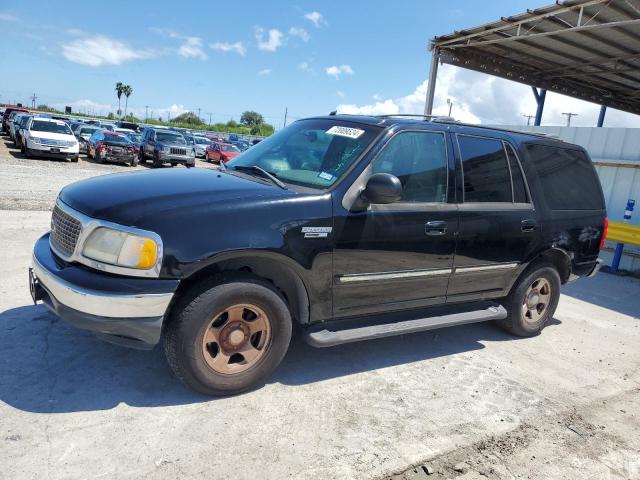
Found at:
(236, 339)
(536, 300)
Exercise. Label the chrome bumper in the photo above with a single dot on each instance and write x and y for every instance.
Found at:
(102, 304)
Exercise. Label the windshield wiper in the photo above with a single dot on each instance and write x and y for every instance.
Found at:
(262, 172)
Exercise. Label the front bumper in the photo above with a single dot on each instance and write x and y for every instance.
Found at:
(50, 151)
(124, 310)
(168, 157)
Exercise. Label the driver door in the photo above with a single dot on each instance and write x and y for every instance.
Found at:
(400, 256)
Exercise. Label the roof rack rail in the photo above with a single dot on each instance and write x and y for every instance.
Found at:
(433, 118)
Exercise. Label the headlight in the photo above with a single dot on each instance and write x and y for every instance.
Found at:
(164, 149)
(35, 139)
(120, 248)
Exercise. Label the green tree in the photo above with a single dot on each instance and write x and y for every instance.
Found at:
(251, 118)
(232, 124)
(127, 90)
(188, 118)
(119, 92)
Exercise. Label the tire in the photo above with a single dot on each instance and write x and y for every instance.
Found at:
(98, 157)
(209, 368)
(134, 161)
(173, 164)
(156, 162)
(27, 152)
(528, 318)
(76, 158)
(141, 158)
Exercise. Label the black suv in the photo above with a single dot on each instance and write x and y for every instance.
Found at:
(352, 227)
(163, 145)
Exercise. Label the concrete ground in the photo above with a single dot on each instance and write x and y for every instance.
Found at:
(464, 402)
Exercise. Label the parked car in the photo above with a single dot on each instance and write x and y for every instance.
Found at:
(107, 126)
(352, 227)
(46, 137)
(128, 125)
(201, 144)
(166, 146)
(108, 146)
(219, 152)
(242, 145)
(83, 134)
(20, 128)
(13, 122)
(7, 113)
(135, 138)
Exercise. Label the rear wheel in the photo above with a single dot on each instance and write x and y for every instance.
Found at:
(98, 157)
(533, 300)
(173, 164)
(226, 338)
(75, 158)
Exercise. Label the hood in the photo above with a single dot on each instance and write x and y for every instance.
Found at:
(129, 198)
(229, 155)
(53, 136)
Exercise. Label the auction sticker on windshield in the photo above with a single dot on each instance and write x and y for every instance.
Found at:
(345, 131)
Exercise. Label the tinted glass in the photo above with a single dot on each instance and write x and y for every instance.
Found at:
(313, 153)
(170, 138)
(86, 132)
(229, 148)
(519, 188)
(485, 170)
(568, 179)
(50, 127)
(120, 140)
(418, 159)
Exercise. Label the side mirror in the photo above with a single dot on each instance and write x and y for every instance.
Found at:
(381, 188)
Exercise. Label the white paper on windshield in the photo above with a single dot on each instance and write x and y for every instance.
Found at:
(345, 131)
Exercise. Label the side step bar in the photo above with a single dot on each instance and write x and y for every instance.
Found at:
(346, 331)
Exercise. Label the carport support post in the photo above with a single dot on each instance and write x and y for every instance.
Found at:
(603, 110)
(617, 254)
(540, 98)
(431, 85)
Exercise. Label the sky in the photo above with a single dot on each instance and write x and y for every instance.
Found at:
(220, 59)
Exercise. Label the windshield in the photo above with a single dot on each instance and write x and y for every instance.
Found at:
(170, 138)
(50, 127)
(134, 137)
(87, 132)
(119, 139)
(229, 148)
(312, 153)
(202, 141)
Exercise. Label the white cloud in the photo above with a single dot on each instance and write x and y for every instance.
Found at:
(316, 18)
(376, 96)
(76, 32)
(340, 93)
(7, 17)
(336, 71)
(265, 71)
(301, 33)
(192, 48)
(101, 50)
(273, 41)
(236, 47)
(480, 98)
(87, 106)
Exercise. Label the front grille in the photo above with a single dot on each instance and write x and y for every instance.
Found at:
(178, 151)
(50, 142)
(65, 230)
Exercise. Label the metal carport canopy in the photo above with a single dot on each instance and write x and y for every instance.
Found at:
(587, 49)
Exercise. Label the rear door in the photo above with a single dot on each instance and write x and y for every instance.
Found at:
(400, 256)
(499, 226)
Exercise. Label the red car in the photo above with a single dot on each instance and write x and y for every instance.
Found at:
(221, 152)
(7, 112)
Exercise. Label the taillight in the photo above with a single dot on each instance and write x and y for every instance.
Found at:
(605, 230)
(99, 146)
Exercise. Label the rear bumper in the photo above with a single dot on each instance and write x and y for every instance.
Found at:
(596, 268)
(124, 310)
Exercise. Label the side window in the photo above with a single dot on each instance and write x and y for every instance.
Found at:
(485, 170)
(519, 188)
(567, 177)
(419, 160)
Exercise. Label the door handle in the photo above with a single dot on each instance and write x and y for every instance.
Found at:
(435, 228)
(528, 225)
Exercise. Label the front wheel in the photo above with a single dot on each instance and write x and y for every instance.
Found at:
(532, 301)
(228, 335)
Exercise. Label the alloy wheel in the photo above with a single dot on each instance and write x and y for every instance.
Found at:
(536, 300)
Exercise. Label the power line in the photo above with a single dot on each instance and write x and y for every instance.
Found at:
(528, 117)
(33, 101)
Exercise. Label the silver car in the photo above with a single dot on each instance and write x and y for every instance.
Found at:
(163, 145)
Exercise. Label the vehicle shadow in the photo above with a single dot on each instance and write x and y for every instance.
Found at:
(51, 367)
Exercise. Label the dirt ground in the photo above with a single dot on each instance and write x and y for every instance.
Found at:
(466, 402)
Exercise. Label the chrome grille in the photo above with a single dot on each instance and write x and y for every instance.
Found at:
(178, 151)
(65, 230)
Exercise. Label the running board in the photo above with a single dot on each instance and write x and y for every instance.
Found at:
(347, 331)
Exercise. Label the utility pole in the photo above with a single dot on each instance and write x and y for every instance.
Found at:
(209, 113)
(146, 113)
(450, 103)
(569, 115)
(528, 117)
(286, 110)
(33, 101)
(199, 113)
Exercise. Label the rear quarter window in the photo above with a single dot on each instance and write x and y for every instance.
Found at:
(567, 178)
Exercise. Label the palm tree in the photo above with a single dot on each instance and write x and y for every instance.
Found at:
(119, 92)
(127, 90)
